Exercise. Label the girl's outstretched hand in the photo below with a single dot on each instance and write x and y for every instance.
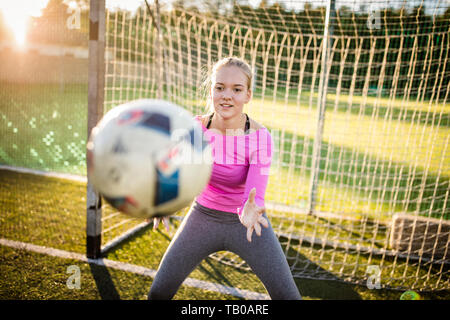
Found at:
(252, 216)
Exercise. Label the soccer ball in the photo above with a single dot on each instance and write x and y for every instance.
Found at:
(148, 158)
(410, 295)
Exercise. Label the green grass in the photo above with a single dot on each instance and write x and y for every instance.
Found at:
(369, 177)
(31, 276)
(398, 166)
(44, 126)
(50, 212)
(383, 137)
(356, 183)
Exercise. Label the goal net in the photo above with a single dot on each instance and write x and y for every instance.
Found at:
(354, 93)
(355, 96)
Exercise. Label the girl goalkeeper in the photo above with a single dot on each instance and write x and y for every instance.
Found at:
(231, 207)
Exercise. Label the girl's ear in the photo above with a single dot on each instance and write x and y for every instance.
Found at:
(249, 96)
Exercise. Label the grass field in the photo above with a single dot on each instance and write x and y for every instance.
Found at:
(44, 127)
(35, 215)
(398, 161)
(26, 275)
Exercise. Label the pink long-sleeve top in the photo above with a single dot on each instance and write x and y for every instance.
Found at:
(241, 163)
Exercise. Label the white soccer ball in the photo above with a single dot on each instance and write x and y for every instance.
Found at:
(148, 158)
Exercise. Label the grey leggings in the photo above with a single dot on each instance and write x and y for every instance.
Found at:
(205, 231)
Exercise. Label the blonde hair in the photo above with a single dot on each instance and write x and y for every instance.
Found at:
(227, 62)
(234, 62)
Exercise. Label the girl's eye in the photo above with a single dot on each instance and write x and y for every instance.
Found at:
(237, 90)
(219, 88)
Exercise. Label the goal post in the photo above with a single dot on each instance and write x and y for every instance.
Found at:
(356, 98)
(96, 87)
(321, 102)
(95, 242)
(354, 93)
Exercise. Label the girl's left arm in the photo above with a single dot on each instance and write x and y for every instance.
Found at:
(252, 209)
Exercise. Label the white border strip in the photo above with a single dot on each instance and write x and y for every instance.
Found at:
(190, 282)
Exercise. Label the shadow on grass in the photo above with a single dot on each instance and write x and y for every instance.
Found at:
(332, 289)
(357, 234)
(220, 273)
(326, 289)
(103, 280)
(215, 273)
(313, 280)
(378, 180)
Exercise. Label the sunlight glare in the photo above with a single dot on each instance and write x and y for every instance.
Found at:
(16, 15)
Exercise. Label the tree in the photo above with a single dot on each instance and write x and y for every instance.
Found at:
(60, 24)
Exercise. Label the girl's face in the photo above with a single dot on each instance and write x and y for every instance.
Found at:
(230, 92)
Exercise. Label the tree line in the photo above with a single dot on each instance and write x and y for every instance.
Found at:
(398, 35)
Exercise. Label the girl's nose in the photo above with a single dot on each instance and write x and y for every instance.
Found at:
(227, 94)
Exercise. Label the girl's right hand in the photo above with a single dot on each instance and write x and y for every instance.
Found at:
(165, 221)
(252, 216)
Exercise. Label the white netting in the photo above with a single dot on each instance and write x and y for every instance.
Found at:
(361, 124)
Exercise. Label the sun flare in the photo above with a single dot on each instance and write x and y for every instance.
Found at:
(16, 15)
(18, 25)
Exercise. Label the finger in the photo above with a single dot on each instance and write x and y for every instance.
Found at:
(156, 223)
(166, 223)
(251, 196)
(264, 222)
(249, 234)
(257, 229)
(261, 210)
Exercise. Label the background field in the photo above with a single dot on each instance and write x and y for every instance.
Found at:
(44, 127)
(383, 151)
(59, 206)
(28, 275)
